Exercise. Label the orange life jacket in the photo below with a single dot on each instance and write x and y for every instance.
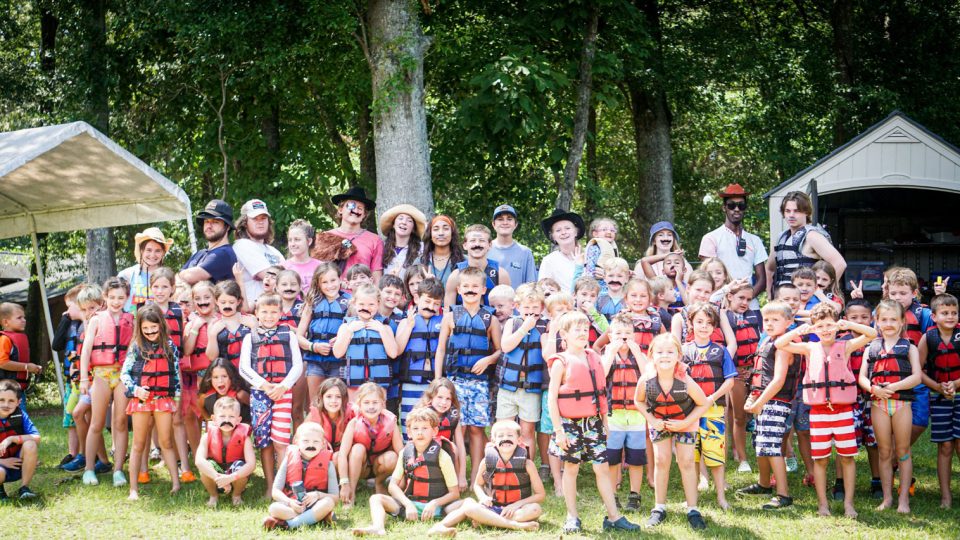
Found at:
(829, 379)
(314, 474)
(174, 317)
(582, 393)
(156, 371)
(706, 367)
(622, 382)
(330, 430)
(425, 480)
(19, 352)
(506, 482)
(913, 315)
(11, 426)
(644, 330)
(674, 404)
(198, 360)
(226, 454)
(887, 367)
(375, 438)
(111, 342)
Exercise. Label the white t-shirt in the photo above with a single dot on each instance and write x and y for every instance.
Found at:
(558, 266)
(255, 257)
(722, 243)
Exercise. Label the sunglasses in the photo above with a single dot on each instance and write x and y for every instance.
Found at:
(731, 205)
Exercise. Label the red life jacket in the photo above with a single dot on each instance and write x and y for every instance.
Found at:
(746, 329)
(622, 382)
(425, 480)
(112, 339)
(292, 318)
(828, 378)
(581, 394)
(762, 373)
(272, 353)
(174, 317)
(506, 482)
(943, 357)
(886, 367)
(230, 343)
(377, 438)
(644, 330)
(913, 316)
(448, 423)
(706, 367)
(856, 360)
(225, 455)
(11, 426)
(314, 474)
(152, 368)
(198, 359)
(330, 430)
(675, 404)
(19, 352)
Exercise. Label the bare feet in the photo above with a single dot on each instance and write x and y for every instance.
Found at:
(134, 496)
(946, 503)
(528, 525)
(850, 511)
(237, 500)
(903, 508)
(440, 530)
(175, 489)
(212, 502)
(824, 510)
(723, 504)
(369, 531)
(887, 503)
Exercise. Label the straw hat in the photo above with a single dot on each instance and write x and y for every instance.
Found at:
(151, 233)
(388, 217)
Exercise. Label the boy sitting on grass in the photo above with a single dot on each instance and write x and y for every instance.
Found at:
(19, 442)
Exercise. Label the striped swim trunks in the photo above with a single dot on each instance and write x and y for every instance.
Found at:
(770, 428)
(944, 418)
(829, 427)
(272, 420)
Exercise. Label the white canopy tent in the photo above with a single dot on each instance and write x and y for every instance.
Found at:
(72, 177)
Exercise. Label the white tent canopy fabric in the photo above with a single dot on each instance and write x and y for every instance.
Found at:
(71, 177)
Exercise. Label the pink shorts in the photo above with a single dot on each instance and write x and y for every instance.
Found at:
(189, 398)
(829, 427)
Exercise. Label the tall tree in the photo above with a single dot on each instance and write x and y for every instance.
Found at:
(395, 54)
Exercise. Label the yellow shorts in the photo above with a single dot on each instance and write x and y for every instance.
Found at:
(712, 437)
(111, 374)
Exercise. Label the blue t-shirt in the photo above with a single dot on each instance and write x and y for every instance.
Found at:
(517, 260)
(729, 368)
(218, 262)
(28, 427)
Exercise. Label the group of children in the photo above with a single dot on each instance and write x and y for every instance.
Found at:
(399, 382)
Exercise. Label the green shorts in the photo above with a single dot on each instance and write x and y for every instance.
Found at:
(402, 514)
(70, 399)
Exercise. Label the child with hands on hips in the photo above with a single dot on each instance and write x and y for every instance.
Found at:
(508, 488)
(151, 376)
(226, 457)
(370, 444)
(367, 345)
(305, 490)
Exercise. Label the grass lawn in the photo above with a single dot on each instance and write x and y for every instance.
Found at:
(68, 509)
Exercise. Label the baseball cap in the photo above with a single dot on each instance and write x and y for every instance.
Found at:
(254, 208)
(505, 209)
(216, 209)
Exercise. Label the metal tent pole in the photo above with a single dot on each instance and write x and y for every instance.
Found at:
(46, 304)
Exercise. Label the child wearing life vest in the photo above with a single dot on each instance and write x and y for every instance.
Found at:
(585, 293)
(222, 380)
(418, 336)
(323, 312)
(827, 282)
(390, 314)
(469, 344)
(151, 377)
(623, 364)
(699, 290)
(829, 388)
(556, 305)
(522, 374)
(476, 246)
(288, 287)
(890, 371)
(746, 324)
(441, 397)
(333, 411)
(270, 362)
(226, 457)
(194, 362)
(711, 367)
(228, 332)
(773, 385)
(19, 442)
(940, 353)
(371, 443)
(105, 343)
(646, 323)
(423, 485)
(805, 280)
(798, 423)
(662, 296)
(578, 408)
(672, 403)
(508, 489)
(366, 344)
(305, 490)
(616, 274)
(15, 361)
(65, 341)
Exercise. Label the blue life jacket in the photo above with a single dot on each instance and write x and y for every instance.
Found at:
(608, 307)
(393, 321)
(324, 325)
(492, 270)
(367, 360)
(417, 364)
(468, 342)
(523, 366)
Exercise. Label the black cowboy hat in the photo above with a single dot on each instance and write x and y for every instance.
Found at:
(355, 194)
(563, 215)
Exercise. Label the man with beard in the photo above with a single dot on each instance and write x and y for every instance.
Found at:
(352, 209)
(253, 249)
(741, 252)
(215, 263)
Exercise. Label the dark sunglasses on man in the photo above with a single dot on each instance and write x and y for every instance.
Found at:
(736, 205)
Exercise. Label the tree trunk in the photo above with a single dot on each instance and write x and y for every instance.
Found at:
(582, 115)
(101, 255)
(591, 204)
(651, 134)
(397, 47)
(368, 157)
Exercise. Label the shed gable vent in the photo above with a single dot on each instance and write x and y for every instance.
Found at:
(897, 135)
